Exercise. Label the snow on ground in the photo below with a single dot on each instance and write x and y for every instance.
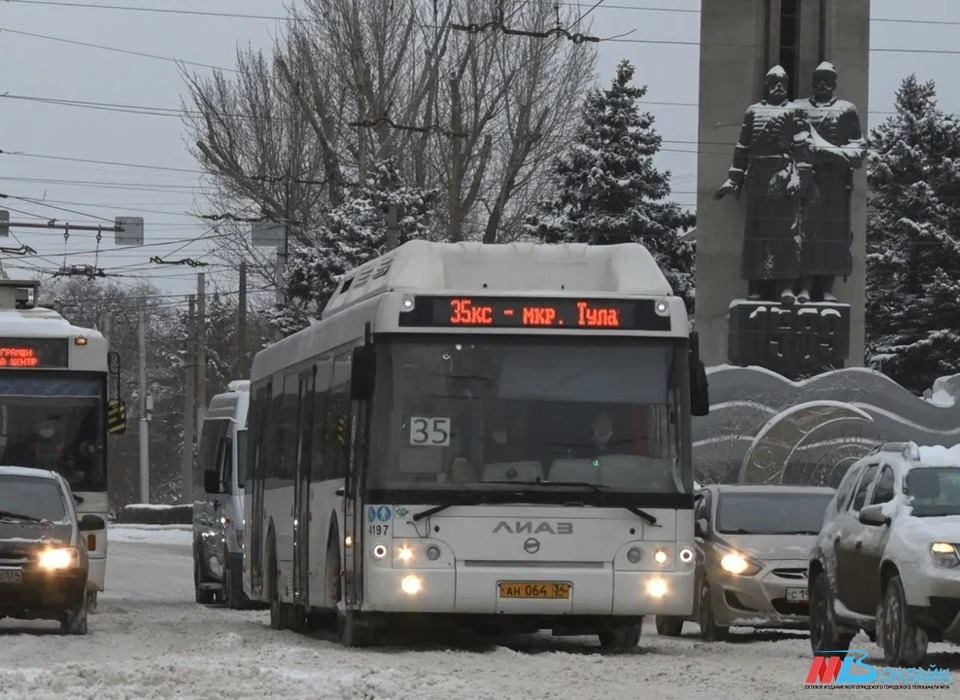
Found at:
(154, 534)
(150, 640)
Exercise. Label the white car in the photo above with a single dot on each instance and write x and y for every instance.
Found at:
(887, 560)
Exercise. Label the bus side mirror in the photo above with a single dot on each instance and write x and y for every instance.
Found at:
(116, 417)
(362, 368)
(699, 387)
(211, 481)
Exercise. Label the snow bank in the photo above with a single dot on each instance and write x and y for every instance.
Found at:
(151, 534)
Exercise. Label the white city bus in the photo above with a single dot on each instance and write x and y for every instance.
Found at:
(54, 405)
(489, 435)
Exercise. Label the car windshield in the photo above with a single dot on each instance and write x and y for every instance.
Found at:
(771, 513)
(596, 412)
(934, 491)
(54, 421)
(33, 497)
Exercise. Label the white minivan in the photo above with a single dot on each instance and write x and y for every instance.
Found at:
(218, 509)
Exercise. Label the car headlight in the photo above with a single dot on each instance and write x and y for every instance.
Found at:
(945, 555)
(738, 564)
(59, 558)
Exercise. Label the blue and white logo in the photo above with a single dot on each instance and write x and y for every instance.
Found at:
(381, 513)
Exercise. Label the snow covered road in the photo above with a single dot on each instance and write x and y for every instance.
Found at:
(150, 640)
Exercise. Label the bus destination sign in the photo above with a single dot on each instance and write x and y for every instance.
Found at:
(33, 353)
(524, 312)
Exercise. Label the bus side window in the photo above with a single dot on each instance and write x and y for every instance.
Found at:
(288, 441)
(226, 465)
(321, 463)
(338, 412)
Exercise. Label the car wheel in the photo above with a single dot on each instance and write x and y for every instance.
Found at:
(825, 635)
(669, 626)
(620, 638)
(709, 629)
(74, 620)
(904, 644)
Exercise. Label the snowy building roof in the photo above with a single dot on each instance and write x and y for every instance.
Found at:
(424, 266)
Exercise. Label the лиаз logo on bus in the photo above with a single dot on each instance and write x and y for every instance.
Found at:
(835, 669)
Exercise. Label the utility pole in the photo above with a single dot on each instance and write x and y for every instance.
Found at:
(393, 231)
(189, 408)
(201, 350)
(144, 432)
(241, 370)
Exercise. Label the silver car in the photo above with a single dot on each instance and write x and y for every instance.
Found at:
(753, 545)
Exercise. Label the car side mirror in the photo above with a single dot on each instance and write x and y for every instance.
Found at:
(211, 481)
(89, 523)
(874, 516)
(700, 527)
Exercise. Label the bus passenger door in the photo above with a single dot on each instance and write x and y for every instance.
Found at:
(301, 493)
(256, 515)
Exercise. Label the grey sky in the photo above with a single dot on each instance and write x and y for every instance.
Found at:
(38, 67)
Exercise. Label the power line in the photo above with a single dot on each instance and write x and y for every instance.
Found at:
(127, 52)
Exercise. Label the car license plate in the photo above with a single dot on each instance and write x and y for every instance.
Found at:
(534, 589)
(11, 576)
(797, 595)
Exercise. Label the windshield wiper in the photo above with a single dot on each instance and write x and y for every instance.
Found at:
(475, 499)
(19, 516)
(642, 514)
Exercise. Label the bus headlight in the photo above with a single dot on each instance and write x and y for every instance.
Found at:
(634, 555)
(686, 555)
(433, 552)
(379, 551)
(410, 585)
(656, 588)
(661, 556)
(405, 554)
(58, 558)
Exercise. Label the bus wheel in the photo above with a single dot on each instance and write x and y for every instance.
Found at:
(350, 633)
(277, 618)
(626, 637)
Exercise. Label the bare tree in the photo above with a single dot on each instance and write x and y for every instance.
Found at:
(353, 82)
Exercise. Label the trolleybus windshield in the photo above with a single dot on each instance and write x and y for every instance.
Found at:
(454, 414)
(54, 421)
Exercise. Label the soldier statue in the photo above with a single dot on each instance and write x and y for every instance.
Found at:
(838, 148)
(771, 162)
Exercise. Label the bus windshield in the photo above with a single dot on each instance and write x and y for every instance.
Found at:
(54, 421)
(604, 412)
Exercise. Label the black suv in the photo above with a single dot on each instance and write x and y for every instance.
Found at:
(43, 558)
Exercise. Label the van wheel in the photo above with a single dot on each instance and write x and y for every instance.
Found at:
(825, 635)
(669, 626)
(626, 637)
(204, 597)
(904, 644)
(74, 620)
(709, 629)
(350, 631)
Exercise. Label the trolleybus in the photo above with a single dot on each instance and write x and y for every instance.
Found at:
(496, 436)
(54, 407)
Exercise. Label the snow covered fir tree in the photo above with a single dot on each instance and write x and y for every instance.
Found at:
(608, 190)
(352, 233)
(913, 241)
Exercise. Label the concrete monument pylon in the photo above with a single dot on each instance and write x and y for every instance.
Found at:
(781, 215)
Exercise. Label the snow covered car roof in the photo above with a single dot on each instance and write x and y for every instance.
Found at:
(916, 456)
(28, 471)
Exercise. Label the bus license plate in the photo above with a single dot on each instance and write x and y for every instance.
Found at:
(797, 595)
(534, 589)
(11, 576)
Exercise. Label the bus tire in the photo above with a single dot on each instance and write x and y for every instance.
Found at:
(277, 618)
(350, 631)
(626, 637)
